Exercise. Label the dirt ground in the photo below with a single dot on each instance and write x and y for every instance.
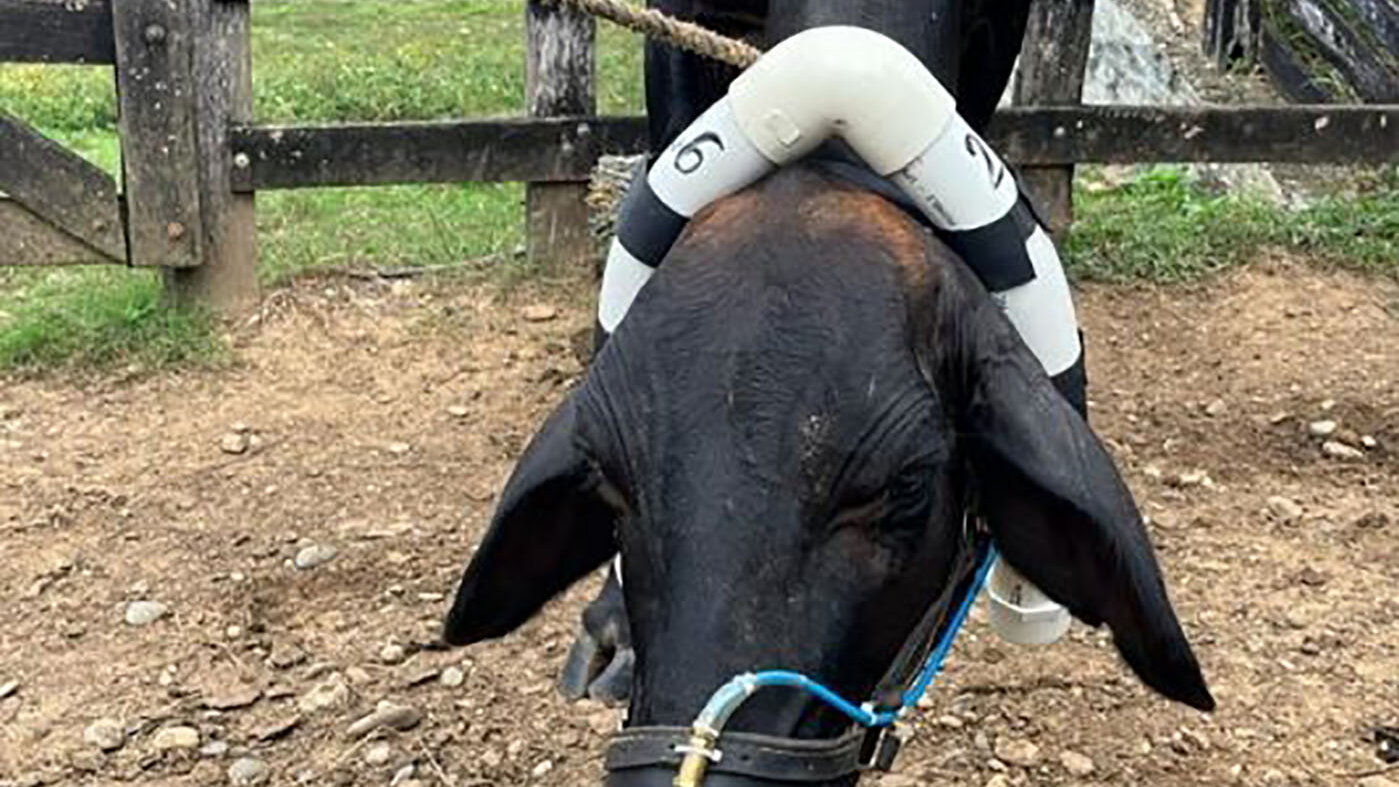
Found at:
(380, 420)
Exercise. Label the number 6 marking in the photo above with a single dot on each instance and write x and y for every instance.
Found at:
(691, 157)
(978, 148)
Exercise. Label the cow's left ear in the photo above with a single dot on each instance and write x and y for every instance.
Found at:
(553, 526)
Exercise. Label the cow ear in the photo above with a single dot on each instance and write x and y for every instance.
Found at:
(1058, 510)
(553, 525)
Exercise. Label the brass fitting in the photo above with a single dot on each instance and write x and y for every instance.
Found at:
(699, 752)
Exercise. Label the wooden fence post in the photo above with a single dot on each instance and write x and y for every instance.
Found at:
(559, 80)
(227, 278)
(1052, 65)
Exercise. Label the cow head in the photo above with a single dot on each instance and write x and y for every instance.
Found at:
(782, 437)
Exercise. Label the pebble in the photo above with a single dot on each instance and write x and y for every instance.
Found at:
(1192, 478)
(1216, 408)
(457, 411)
(105, 734)
(399, 448)
(1376, 781)
(999, 780)
(1284, 508)
(315, 555)
(176, 738)
(277, 729)
(451, 677)
(1016, 751)
(234, 443)
(1078, 765)
(378, 754)
(141, 613)
(214, 749)
(403, 776)
(539, 312)
(393, 653)
(235, 698)
(543, 768)
(328, 694)
(246, 771)
(398, 717)
(1338, 450)
(1369, 441)
(8, 687)
(951, 722)
(1323, 428)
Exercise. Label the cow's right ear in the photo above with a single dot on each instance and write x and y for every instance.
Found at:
(553, 525)
(1058, 510)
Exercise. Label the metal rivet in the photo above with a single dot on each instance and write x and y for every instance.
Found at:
(241, 160)
(155, 34)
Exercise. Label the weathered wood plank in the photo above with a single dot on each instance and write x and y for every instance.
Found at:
(155, 97)
(226, 280)
(1128, 135)
(565, 149)
(559, 81)
(1231, 30)
(1052, 65)
(60, 186)
(29, 240)
(54, 31)
(515, 149)
(1371, 70)
(1286, 70)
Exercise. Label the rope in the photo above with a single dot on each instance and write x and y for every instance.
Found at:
(685, 35)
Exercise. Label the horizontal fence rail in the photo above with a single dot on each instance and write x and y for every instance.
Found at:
(566, 149)
(56, 31)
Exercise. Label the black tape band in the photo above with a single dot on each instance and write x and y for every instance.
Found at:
(646, 226)
(996, 252)
(1073, 383)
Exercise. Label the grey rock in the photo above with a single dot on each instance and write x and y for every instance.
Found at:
(393, 653)
(141, 613)
(1338, 450)
(1078, 765)
(234, 443)
(176, 738)
(329, 694)
(1017, 751)
(1284, 508)
(452, 677)
(1323, 428)
(105, 734)
(314, 555)
(248, 771)
(398, 717)
(213, 749)
(378, 754)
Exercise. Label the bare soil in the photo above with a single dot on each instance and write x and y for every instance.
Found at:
(381, 420)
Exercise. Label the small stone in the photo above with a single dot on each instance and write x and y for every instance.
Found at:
(403, 776)
(1284, 508)
(398, 717)
(1338, 450)
(1017, 751)
(234, 443)
(329, 694)
(393, 653)
(277, 729)
(1078, 765)
(421, 676)
(287, 656)
(176, 738)
(543, 768)
(951, 722)
(378, 754)
(457, 411)
(1197, 739)
(358, 676)
(105, 734)
(247, 771)
(233, 632)
(213, 749)
(8, 687)
(399, 449)
(1327, 404)
(1376, 781)
(999, 780)
(233, 699)
(1191, 478)
(1323, 428)
(1216, 408)
(451, 677)
(317, 554)
(539, 312)
(1369, 441)
(603, 722)
(141, 613)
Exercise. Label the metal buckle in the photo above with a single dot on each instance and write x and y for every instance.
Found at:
(881, 746)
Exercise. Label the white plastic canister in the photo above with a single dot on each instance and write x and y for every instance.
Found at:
(1020, 612)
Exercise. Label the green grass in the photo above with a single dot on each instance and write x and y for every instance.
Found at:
(97, 319)
(1163, 227)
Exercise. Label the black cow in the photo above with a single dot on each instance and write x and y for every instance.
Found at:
(782, 437)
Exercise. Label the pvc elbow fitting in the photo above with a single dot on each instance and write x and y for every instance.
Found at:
(841, 81)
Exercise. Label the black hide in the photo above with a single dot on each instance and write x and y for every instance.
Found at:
(785, 431)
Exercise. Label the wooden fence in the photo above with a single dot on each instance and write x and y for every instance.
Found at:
(192, 158)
